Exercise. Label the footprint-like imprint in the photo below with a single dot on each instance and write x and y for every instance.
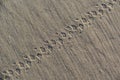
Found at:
(83, 22)
(32, 57)
(18, 71)
(6, 75)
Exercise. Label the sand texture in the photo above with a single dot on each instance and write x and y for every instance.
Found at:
(59, 39)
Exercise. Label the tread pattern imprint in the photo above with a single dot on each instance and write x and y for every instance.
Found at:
(59, 39)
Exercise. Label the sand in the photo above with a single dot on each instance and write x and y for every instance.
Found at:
(59, 40)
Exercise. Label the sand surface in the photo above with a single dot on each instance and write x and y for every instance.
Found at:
(59, 40)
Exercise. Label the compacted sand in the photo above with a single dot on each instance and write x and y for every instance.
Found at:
(59, 40)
